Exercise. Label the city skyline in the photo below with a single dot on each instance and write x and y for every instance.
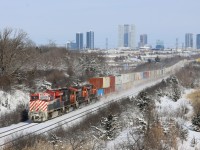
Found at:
(57, 21)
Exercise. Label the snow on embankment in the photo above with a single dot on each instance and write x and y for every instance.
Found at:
(181, 112)
(10, 100)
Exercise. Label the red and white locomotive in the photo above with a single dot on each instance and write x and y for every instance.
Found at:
(55, 102)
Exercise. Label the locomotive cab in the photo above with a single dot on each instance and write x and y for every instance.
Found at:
(92, 91)
(65, 96)
(38, 106)
(78, 95)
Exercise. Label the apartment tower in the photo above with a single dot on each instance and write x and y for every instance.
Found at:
(126, 36)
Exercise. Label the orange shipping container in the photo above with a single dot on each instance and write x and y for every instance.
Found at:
(112, 89)
(112, 81)
(100, 82)
(146, 74)
(107, 91)
(97, 82)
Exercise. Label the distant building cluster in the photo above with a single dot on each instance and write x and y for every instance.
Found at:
(127, 40)
(79, 44)
(189, 41)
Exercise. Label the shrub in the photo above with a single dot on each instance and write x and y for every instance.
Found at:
(21, 141)
(15, 116)
(196, 120)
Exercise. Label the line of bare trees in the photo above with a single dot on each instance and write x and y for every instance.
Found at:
(15, 52)
(21, 61)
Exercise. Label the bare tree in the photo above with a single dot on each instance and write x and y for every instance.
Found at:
(82, 65)
(14, 46)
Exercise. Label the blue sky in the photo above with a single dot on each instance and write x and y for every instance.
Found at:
(59, 20)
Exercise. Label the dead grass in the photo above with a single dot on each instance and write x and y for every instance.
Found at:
(194, 97)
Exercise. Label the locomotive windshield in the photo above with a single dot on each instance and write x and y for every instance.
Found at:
(44, 97)
(34, 98)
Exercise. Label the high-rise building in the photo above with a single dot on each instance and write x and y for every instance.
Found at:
(90, 40)
(160, 45)
(198, 41)
(143, 40)
(188, 40)
(71, 45)
(126, 35)
(79, 41)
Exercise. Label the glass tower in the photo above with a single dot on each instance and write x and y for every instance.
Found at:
(79, 41)
(188, 40)
(90, 40)
(198, 41)
(143, 40)
(126, 36)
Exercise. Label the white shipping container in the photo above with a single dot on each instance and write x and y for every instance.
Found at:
(118, 88)
(127, 86)
(163, 71)
(132, 77)
(159, 72)
(152, 74)
(125, 78)
(106, 82)
(118, 79)
(137, 76)
(129, 77)
(167, 70)
(140, 75)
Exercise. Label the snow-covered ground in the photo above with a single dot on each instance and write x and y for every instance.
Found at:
(24, 98)
(167, 109)
(9, 101)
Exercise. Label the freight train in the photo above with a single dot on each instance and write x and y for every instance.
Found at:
(55, 102)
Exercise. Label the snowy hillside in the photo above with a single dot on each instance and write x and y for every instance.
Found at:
(181, 112)
(171, 113)
(9, 101)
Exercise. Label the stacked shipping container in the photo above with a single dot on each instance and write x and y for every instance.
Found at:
(112, 86)
(118, 83)
(100, 83)
(106, 85)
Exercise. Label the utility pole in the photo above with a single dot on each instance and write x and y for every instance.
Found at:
(182, 46)
(106, 43)
(176, 45)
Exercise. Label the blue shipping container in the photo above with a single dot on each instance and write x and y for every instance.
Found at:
(100, 92)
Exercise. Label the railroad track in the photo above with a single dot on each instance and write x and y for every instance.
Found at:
(52, 126)
(16, 129)
(70, 117)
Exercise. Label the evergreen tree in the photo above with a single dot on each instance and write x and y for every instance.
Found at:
(142, 100)
(196, 120)
(157, 59)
